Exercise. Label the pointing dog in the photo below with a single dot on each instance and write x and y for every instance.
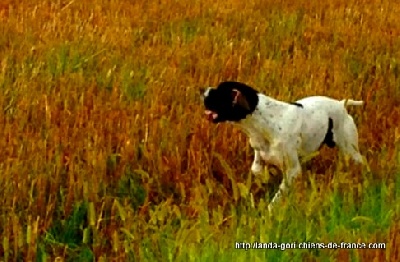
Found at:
(281, 132)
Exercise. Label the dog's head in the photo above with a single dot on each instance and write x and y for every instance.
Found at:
(230, 101)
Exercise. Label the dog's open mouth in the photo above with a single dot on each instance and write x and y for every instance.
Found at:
(211, 115)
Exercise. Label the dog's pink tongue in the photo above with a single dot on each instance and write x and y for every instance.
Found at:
(211, 115)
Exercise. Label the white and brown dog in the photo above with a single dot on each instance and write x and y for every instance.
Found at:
(282, 132)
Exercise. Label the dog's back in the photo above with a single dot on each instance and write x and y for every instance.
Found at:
(324, 101)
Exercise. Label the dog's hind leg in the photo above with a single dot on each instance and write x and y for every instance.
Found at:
(346, 139)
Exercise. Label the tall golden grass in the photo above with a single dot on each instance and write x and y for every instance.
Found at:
(101, 110)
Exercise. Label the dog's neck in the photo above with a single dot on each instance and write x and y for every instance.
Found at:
(263, 118)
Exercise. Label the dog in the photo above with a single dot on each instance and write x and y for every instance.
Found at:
(281, 133)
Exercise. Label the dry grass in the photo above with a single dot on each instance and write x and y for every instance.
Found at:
(106, 155)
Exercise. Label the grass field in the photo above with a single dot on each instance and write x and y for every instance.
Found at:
(106, 155)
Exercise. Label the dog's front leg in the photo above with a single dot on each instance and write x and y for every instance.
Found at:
(256, 167)
(293, 170)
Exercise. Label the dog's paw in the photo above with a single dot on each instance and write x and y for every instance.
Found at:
(256, 168)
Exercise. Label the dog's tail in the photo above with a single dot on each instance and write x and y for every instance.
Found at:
(351, 102)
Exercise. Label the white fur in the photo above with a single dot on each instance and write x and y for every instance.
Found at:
(280, 133)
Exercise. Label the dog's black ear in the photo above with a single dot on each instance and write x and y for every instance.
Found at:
(239, 99)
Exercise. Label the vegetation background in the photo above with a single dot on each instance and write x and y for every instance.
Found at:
(106, 155)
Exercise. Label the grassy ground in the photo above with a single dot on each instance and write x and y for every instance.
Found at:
(106, 156)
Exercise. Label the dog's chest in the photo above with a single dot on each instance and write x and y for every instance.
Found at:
(266, 124)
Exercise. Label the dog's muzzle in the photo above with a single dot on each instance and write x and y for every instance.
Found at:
(211, 115)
